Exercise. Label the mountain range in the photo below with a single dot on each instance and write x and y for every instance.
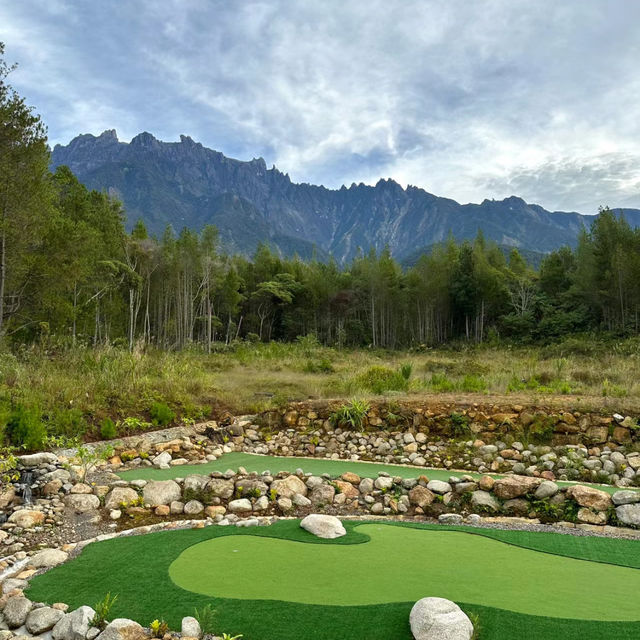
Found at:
(184, 184)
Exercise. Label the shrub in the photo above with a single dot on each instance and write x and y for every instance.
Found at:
(25, 428)
(318, 366)
(206, 618)
(68, 422)
(406, 369)
(440, 383)
(460, 425)
(473, 384)
(351, 414)
(541, 430)
(380, 379)
(161, 414)
(102, 609)
(108, 430)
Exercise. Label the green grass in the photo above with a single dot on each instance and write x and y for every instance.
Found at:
(409, 564)
(317, 466)
(137, 568)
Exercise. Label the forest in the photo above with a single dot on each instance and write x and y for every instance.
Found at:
(71, 274)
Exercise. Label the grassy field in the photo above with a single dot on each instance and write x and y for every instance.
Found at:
(77, 389)
(118, 566)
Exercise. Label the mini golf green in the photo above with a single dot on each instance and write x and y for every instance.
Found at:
(317, 466)
(402, 564)
(516, 592)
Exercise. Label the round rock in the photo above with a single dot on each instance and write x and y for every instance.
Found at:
(439, 619)
(323, 526)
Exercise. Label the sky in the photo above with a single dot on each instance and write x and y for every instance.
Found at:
(467, 99)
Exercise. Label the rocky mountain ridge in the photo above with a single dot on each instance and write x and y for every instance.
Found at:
(186, 184)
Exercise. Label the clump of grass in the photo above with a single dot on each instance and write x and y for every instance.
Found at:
(161, 414)
(102, 610)
(380, 379)
(440, 383)
(108, 429)
(206, 618)
(322, 365)
(351, 414)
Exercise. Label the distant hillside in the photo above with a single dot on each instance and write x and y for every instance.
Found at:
(186, 184)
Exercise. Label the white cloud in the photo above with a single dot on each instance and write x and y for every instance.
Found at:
(469, 100)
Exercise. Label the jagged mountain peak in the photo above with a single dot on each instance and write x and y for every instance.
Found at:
(186, 184)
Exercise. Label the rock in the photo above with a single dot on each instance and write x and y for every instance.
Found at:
(629, 514)
(366, 486)
(450, 518)
(214, 510)
(514, 486)
(516, 507)
(13, 583)
(115, 514)
(384, 483)
(42, 619)
(242, 505)
(81, 487)
(27, 518)
(353, 478)
(221, 488)
(262, 503)
(486, 483)
(289, 486)
(284, 504)
(547, 489)
(122, 629)
(377, 508)
(193, 508)
(162, 510)
(74, 625)
(120, 495)
(590, 497)
(323, 526)
(298, 500)
(191, 628)
(349, 490)
(196, 482)
(176, 507)
(439, 619)
(161, 492)
(38, 459)
(48, 558)
(16, 611)
(162, 460)
(591, 517)
(322, 494)
(485, 501)
(8, 495)
(249, 487)
(438, 486)
(625, 497)
(82, 503)
(421, 496)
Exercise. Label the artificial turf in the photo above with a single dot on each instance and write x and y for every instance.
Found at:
(137, 568)
(317, 466)
(408, 564)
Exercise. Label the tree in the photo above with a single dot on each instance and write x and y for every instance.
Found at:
(25, 193)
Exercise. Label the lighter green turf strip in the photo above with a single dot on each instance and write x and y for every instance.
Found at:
(137, 569)
(317, 466)
(409, 564)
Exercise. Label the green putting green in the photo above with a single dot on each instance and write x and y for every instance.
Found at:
(403, 564)
(256, 463)
(137, 568)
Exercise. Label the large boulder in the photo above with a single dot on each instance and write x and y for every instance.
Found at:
(288, 487)
(48, 558)
(484, 501)
(27, 518)
(511, 487)
(38, 459)
(43, 619)
(16, 611)
(322, 494)
(421, 496)
(161, 492)
(439, 619)
(221, 488)
(123, 629)
(323, 526)
(120, 495)
(191, 628)
(439, 486)
(82, 502)
(74, 625)
(625, 497)
(241, 505)
(195, 483)
(629, 514)
(590, 497)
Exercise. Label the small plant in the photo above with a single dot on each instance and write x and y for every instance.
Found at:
(159, 628)
(108, 430)
(351, 414)
(102, 610)
(226, 636)
(206, 618)
(8, 464)
(132, 424)
(161, 414)
(406, 369)
(88, 456)
(475, 621)
(273, 494)
(460, 425)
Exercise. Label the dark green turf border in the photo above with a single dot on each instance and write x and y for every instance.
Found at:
(136, 568)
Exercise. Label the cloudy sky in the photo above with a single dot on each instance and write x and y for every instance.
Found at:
(468, 99)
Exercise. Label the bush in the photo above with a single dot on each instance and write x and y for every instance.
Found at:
(68, 422)
(380, 379)
(161, 414)
(108, 429)
(473, 384)
(351, 414)
(440, 383)
(318, 366)
(25, 428)
(460, 425)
